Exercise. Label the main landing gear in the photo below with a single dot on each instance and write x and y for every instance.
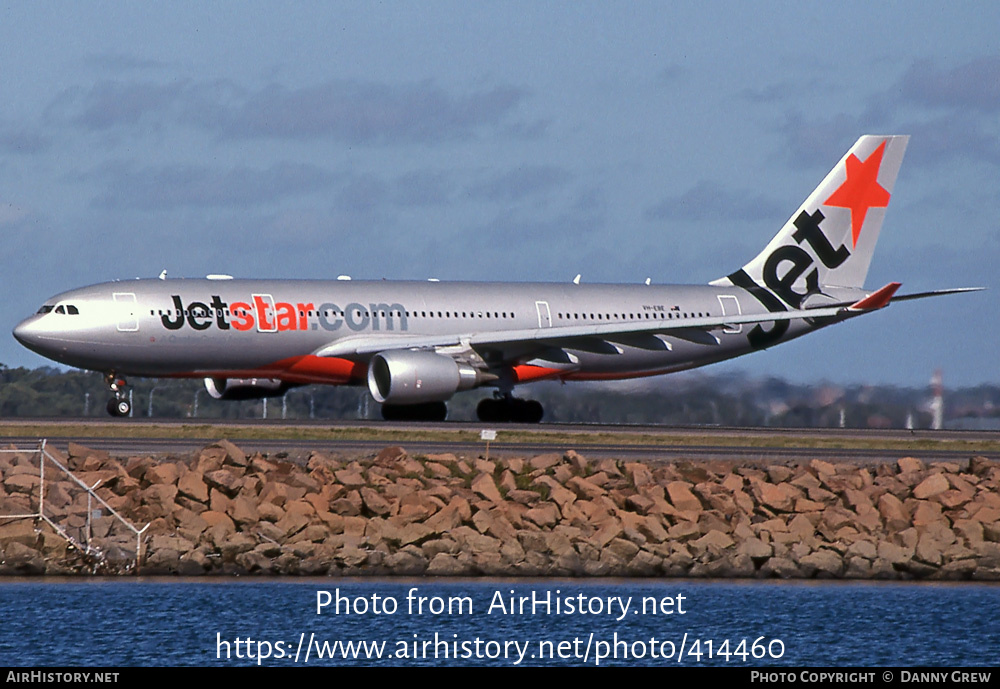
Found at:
(119, 404)
(506, 408)
(428, 411)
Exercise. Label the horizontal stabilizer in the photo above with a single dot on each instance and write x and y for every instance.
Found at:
(877, 299)
(937, 293)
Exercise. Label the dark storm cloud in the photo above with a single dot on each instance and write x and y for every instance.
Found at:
(170, 186)
(710, 201)
(973, 85)
(350, 111)
(523, 181)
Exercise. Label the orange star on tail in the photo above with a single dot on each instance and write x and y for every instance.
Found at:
(861, 190)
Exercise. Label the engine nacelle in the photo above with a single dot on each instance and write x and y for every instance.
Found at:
(413, 377)
(245, 388)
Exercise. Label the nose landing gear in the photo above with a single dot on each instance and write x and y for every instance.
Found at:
(119, 404)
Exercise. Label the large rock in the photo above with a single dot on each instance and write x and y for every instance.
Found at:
(680, 496)
(484, 485)
(935, 484)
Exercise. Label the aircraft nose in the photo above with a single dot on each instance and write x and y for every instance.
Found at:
(26, 332)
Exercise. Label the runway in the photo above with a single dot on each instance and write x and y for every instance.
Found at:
(297, 439)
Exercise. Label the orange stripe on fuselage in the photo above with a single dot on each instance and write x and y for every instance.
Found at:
(304, 370)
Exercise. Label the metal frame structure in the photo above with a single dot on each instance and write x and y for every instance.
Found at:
(86, 547)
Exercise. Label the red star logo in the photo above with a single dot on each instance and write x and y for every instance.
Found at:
(861, 190)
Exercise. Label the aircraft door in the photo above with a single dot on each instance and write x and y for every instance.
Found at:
(731, 307)
(267, 315)
(128, 321)
(544, 315)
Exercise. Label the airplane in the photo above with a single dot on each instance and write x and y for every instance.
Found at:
(416, 344)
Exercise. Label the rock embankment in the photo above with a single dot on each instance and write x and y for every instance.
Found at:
(223, 511)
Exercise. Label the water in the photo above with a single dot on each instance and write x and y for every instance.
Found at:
(197, 622)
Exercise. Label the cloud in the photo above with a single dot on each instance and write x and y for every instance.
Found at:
(671, 75)
(710, 201)
(773, 93)
(954, 135)
(951, 113)
(345, 110)
(12, 214)
(974, 85)
(812, 143)
(819, 142)
(110, 104)
(423, 188)
(363, 193)
(171, 186)
(521, 182)
(120, 62)
(366, 112)
(783, 91)
(22, 139)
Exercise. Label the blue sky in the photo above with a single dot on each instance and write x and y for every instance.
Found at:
(503, 141)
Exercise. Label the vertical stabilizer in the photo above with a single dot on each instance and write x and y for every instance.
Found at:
(830, 239)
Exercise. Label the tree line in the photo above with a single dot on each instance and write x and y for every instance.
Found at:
(681, 399)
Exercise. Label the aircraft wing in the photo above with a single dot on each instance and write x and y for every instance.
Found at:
(599, 337)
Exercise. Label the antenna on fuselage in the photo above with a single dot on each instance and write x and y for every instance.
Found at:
(576, 280)
(163, 274)
(647, 281)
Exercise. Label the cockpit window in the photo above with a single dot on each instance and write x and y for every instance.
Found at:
(72, 310)
(60, 309)
(46, 308)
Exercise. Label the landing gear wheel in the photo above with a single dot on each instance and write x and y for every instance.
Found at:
(532, 412)
(509, 409)
(119, 407)
(428, 411)
(489, 411)
(119, 404)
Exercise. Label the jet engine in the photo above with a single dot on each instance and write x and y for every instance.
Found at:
(245, 388)
(414, 377)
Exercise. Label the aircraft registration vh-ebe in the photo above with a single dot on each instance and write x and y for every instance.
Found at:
(415, 344)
